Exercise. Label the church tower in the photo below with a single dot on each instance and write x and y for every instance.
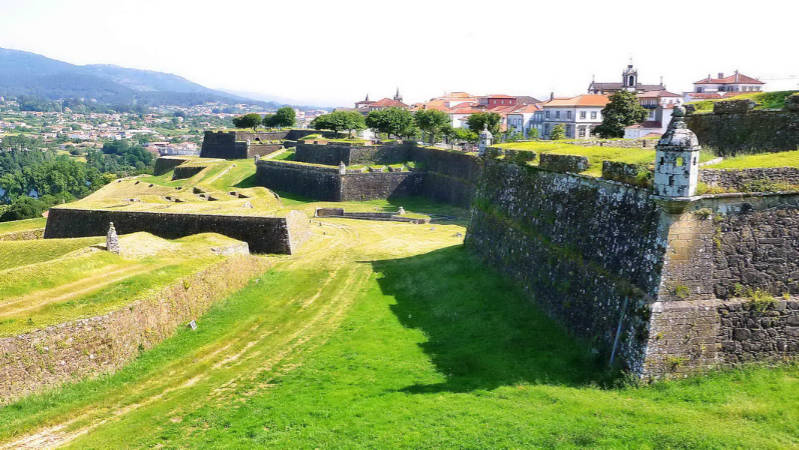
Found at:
(629, 78)
(397, 96)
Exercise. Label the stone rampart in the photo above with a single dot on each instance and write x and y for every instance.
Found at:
(240, 144)
(183, 172)
(441, 175)
(69, 351)
(731, 133)
(563, 163)
(263, 234)
(316, 182)
(751, 180)
(696, 283)
(25, 235)
(335, 153)
(166, 163)
(587, 250)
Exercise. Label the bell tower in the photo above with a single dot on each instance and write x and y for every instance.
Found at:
(629, 78)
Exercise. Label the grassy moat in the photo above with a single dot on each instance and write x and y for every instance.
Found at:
(375, 334)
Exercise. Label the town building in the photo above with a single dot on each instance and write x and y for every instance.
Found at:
(722, 87)
(629, 82)
(366, 106)
(659, 106)
(579, 115)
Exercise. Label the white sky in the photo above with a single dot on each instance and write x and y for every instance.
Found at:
(333, 52)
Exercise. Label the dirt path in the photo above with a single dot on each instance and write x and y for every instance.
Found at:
(268, 343)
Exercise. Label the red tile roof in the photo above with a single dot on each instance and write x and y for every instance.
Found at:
(580, 100)
(736, 78)
(388, 102)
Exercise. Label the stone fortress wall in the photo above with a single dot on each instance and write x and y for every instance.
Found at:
(692, 282)
(281, 235)
(690, 270)
(441, 175)
(734, 127)
(246, 144)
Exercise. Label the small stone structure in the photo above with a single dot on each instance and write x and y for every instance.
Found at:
(752, 180)
(485, 140)
(677, 159)
(111, 239)
(242, 144)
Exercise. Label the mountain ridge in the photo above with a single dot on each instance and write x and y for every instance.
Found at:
(27, 73)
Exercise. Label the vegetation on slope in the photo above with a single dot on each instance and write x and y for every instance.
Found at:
(764, 160)
(764, 100)
(44, 282)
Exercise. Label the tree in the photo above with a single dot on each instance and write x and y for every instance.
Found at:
(284, 117)
(268, 120)
(340, 120)
(463, 134)
(396, 121)
(448, 132)
(251, 120)
(622, 110)
(558, 132)
(532, 133)
(478, 121)
(431, 121)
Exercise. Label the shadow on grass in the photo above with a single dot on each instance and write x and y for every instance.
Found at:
(247, 182)
(482, 332)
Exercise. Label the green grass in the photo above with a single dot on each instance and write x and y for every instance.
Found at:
(595, 155)
(21, 253)
(22, 225)
(437, 351)
(765, 100)
(764, 160)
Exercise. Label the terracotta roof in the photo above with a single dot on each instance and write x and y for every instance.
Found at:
(647, 124)
(736, 78)
(580, 100)
(657, 94)
(388, 102)
(531, 108)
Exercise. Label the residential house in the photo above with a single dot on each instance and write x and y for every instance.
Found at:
(722, 87)
(579, 115)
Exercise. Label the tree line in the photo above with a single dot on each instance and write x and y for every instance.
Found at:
(32, 181)
(283, 117)
(429, 124)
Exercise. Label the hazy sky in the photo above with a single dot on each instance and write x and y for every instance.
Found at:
(333, 52)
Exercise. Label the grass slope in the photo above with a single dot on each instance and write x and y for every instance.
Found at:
(392, 335)
(45, 282)
(22, 225)
(765, 160)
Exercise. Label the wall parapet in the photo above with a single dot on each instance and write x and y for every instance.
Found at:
(263, 234)
(584, 248)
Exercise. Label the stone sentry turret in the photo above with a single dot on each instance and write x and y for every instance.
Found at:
(485, 140)
(111, 239)
(677, 159)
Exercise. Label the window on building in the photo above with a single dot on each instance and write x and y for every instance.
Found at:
(582, 114)
(557, 114)
(593, 114)
(568, 114)
(546, 114)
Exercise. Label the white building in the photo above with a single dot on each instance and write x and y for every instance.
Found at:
(722, 86)
(579, 115)
(659, 105)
